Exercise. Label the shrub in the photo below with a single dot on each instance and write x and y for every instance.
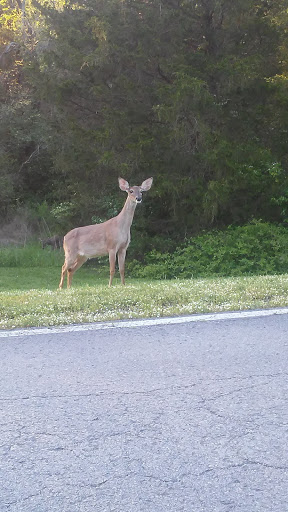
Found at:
(256, 248)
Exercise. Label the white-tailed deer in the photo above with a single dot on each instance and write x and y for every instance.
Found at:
(111, 237)
(56, 242)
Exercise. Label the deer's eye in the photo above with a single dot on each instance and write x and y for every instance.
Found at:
(131, 190)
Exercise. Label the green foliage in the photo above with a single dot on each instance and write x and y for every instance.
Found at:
(193, 93)
(31, 255)
(257, 248)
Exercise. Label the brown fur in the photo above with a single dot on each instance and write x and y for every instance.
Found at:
(111, 237)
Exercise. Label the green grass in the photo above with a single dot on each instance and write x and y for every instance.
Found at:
(31, 255)
(30, 296)
(29, 278)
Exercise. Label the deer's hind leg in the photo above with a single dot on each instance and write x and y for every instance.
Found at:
(63, 274)
(72, 268)
(69, 269)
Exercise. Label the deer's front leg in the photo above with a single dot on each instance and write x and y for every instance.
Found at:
(121, 263)
(112, 260)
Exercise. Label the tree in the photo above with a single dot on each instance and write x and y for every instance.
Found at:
(194, 93)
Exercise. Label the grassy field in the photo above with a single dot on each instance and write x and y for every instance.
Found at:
(30, 296)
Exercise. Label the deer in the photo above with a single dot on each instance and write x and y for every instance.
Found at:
(111, 237)
(56, 242)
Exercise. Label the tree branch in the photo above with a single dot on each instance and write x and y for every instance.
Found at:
(35, 153)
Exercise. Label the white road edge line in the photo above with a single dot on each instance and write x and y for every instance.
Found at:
(120, 324)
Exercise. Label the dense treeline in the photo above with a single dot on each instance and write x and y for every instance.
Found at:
(193, 93)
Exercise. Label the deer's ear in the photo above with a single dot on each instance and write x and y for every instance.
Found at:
(123, 184)
(146, 185)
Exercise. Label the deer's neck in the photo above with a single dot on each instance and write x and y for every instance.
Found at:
(127, 213)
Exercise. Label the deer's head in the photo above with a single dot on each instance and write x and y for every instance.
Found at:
(135, 193)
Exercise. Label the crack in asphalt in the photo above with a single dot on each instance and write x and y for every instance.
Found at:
(99, 394)
(151, 391)
(246, 462)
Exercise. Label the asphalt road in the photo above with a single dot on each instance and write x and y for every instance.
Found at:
(190, 417)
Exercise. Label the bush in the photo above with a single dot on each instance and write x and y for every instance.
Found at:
(256, 248)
